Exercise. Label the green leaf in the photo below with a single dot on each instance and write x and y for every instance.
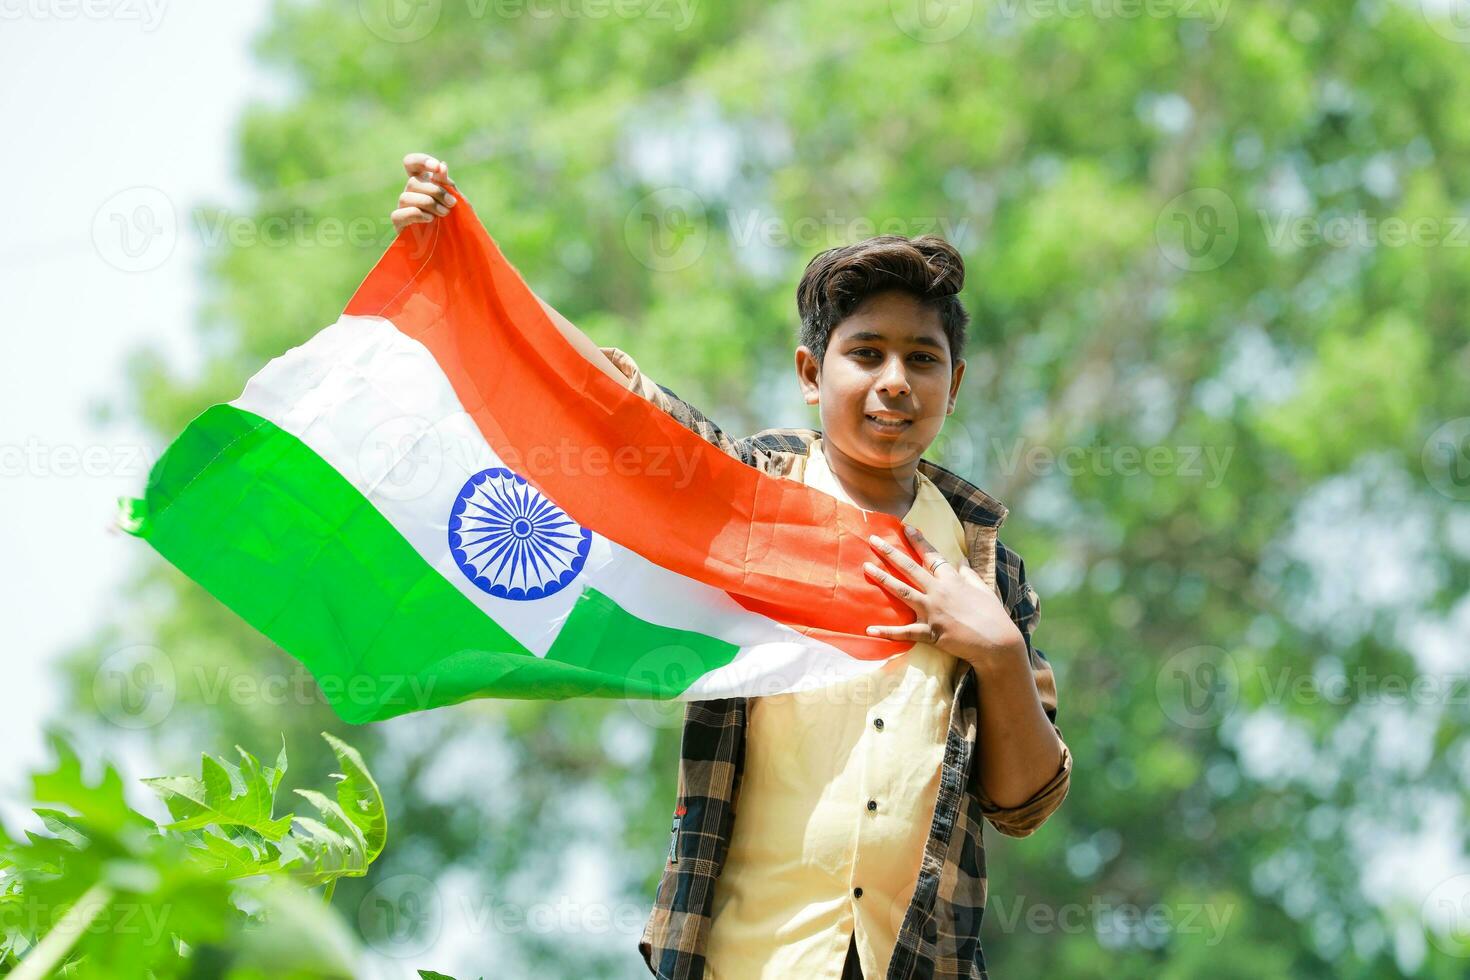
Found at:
(63, 825)
(359, 796)
(236, 857)
(103, 808)
(352, 830)
(318, 851)
(226, 816)
(232, 798)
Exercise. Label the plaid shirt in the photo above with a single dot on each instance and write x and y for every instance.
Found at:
(940, 935)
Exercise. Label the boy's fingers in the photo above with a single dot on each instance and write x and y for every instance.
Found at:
(423, 202)
(910, 632)
(413, 199)
(920, 542)
(933, 557)
(429, 189)
(896, 557)
(404, 217)
(427, 167)
(417, 163)
(894, 585)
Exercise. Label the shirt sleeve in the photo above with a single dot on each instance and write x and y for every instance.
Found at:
(686, 414)
(1024, 606)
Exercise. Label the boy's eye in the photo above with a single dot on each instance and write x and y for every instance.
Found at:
(868, 350)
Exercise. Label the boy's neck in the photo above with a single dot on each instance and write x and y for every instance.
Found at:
(889, 491)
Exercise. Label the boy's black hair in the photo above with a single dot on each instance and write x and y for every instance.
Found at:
(838, 280)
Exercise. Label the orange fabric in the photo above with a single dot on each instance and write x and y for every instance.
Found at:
(777, 547)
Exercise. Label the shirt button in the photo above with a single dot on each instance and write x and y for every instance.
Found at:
(872, 804)
(878, 723)
(857, 892)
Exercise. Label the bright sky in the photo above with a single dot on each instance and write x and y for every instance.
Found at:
(101, 96)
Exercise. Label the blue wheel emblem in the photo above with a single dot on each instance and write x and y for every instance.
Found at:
(511, 541)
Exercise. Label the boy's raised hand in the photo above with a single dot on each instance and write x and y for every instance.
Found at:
(427, 193)
(955, 610)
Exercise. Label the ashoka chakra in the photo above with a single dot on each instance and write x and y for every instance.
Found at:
(511, 541)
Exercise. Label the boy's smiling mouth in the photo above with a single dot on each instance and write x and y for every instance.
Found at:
(887, 422)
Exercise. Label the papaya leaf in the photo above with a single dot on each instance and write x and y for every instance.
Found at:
(236, 857)
(320, 852)
(230, 798)
(92, 895)
(351, 832)
(62, 825)
(359, 797)
(101, 807)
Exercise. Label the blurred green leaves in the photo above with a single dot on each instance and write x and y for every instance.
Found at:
(219, 891)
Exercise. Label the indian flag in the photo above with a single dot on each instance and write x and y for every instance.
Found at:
(438, 498)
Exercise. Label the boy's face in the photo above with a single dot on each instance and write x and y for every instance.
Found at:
(890, 359)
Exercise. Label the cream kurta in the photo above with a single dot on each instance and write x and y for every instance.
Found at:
(805, 835)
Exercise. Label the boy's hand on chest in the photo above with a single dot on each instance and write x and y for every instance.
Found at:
(955, 610)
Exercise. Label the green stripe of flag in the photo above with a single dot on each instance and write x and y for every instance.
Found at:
(269, 528)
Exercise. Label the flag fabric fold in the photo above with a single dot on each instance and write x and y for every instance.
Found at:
(438, 498)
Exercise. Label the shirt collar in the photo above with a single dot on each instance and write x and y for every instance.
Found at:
(970, 503)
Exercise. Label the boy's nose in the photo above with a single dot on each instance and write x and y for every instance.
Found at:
(892, 379)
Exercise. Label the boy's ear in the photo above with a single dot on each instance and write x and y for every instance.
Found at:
(954, 385)
(808, 374)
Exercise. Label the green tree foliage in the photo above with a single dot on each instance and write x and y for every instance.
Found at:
(220, 891)
(1215, 371)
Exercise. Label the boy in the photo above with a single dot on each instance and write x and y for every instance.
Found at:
(858, 850)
